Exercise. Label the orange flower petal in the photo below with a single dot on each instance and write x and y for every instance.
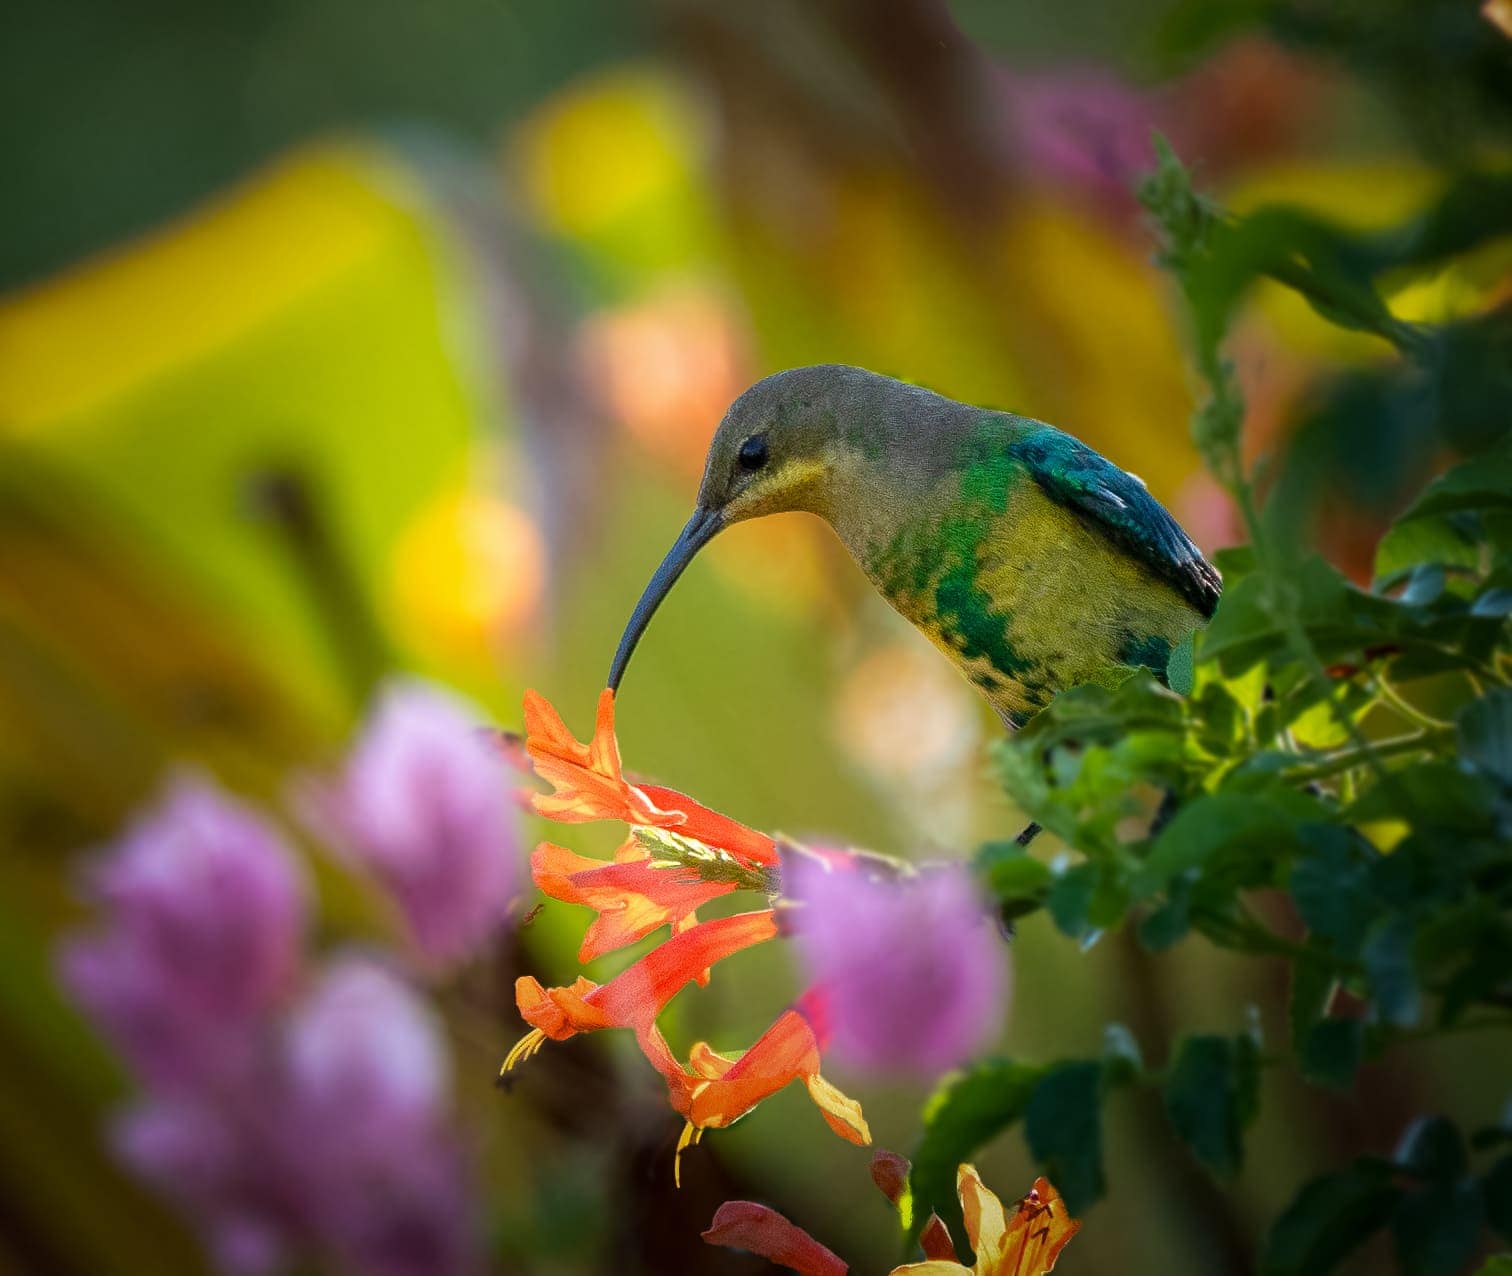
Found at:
(765, 1233)
(785, 1052)
(588, 783)
(632, 897)
(586, 780)
(714, 829)
(559, 1012)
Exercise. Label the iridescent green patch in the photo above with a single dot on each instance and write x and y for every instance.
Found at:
(1151, 650)
(964, 609)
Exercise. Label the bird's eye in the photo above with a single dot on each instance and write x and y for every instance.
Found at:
(753, 452)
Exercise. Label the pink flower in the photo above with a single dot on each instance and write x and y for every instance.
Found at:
(424, 806)
(338, 1142)
(910, 966)
(206, 918)
(367, 1083)
(207, 1158)
(1083, 129)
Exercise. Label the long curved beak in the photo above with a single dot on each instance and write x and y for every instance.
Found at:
(698, 532)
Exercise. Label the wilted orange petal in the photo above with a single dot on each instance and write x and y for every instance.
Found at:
(1499, 13)
(840, 1111)
(935, 1240)
(889, 1172)
(1041, 1227)
(765, 1233)
(986, 1224)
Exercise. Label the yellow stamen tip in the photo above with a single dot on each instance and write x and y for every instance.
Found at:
(523, 1049)
(690, 1134)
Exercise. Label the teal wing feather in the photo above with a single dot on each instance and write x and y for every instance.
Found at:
(1073, 474)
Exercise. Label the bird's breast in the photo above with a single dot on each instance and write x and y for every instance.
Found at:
(1026, 599)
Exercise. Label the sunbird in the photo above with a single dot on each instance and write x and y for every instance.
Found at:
(1031, 561)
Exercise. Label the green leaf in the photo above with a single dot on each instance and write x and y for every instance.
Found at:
(1437, 1230)
(1331, 885)
(1063, 1126)
(1495, 601)
(1480, 484)
(1497, 1265)
(1219, 822)
(1070, 899)
(1328, 1219)
(1484, 730)
(1496, 1187)
(1331, 1052)
(1392, 971)
(1013, 877)
(967, 1110)
(1162, 928)
(1123, 1061)
(1431, 1148)
(1416, 541)
(1312, 985)
(1210, 1096)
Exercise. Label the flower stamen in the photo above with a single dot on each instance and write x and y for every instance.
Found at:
(523, 1049)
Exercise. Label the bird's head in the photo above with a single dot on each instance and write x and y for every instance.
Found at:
(774, 451)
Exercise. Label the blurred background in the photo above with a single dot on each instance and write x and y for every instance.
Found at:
(342, 337)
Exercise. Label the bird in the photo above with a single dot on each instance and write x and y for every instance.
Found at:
(1030, 560)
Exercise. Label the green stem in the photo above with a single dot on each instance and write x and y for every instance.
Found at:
(1348, 759)
(1405, 708)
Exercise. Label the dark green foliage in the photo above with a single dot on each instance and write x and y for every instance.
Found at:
(1332, 789)
(1063, 1124)
(1331, 1217)
(1437, 1228)
(1211, 1095)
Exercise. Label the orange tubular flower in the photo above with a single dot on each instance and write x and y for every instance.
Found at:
(716, 1090)
(634, 997)
(695, 855)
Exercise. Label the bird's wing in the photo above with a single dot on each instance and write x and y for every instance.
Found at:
(1073, 474)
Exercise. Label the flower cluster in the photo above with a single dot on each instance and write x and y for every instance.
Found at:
(681, 855)
(297, 1104)
(1027, 1243)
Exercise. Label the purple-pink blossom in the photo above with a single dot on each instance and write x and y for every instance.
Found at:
(1083, 129)
(424, 805)
(911, 966)
(205, 917)
(340, 1142)
(367, 1086)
